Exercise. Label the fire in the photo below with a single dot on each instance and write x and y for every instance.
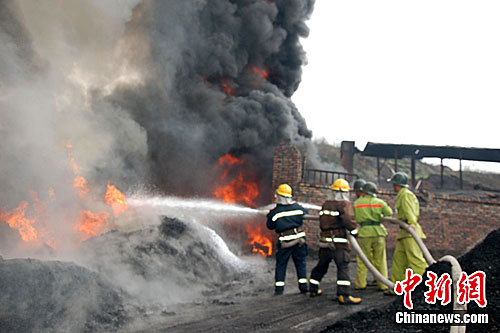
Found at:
(80, 184)
(236, 188)
(76, 168)
(260, 242)
(16, 219)
(30, 221)
(227, 88)
(261, 72)
(33, 222)
(90, 224)
(116, 200)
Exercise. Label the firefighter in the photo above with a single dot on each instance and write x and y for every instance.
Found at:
(286, 218)
(407, 253)
(335, 217)
(368, 211)
(357, 185)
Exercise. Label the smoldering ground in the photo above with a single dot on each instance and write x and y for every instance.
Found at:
(136, 94)
(120, 278)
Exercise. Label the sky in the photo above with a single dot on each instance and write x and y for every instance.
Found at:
(406, 72)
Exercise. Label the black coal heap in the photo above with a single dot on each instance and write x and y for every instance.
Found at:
(41, 296)
(124, 271)
(485, 257)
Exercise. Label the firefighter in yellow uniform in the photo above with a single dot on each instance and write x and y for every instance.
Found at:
(407, 253)
(368, 211)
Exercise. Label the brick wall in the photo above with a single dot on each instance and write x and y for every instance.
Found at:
(453, 225)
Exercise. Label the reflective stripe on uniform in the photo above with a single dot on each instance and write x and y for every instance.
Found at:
(343, 282)
(303, 280)
(354, 231)
(289, 213)
(334, 240)
(368, 206)
(279, 284)
(316, 282)
(329, 212)
(292, 237)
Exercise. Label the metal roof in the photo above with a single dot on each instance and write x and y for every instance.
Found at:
(386, 150)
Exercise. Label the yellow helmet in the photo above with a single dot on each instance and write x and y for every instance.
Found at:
(340, 185)
(284, 190)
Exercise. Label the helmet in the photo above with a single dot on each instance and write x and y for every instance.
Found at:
(399, 178)
(369, 188)
(284, 190)
(340, 185)
(358, 183)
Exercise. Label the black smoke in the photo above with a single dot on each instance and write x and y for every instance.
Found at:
(142, 93)
(205, 94)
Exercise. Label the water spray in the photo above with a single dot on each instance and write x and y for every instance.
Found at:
(171, 205)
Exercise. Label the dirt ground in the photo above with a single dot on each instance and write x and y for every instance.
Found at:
(251, 306)
(198, 288)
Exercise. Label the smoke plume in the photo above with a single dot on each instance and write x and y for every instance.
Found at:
(139, 93)
(219, 75)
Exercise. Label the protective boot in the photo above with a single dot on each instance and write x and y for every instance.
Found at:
(314, 290)
(303, 288)
(347, 300)
(279, 290)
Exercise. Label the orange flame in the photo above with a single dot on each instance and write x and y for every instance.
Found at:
(32, 222)
(261, 72)
(259, 239)
(91, 224)
(116, 200)
(227, 88)
(80, 184)
(16, 219)
(236, 189)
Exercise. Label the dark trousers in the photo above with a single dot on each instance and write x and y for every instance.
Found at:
(341, 257)
(298, 254)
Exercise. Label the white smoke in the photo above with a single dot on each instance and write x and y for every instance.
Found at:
(132, 93)
(55, 58)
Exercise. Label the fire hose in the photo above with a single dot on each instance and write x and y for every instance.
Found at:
(456, 270)
(427, 255)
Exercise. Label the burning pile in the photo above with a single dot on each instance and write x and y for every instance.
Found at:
(174, 262)
(33, 221)
(139, 94)
(99, 99)
(236, 186)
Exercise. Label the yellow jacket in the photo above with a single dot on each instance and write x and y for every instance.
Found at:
(408, 210)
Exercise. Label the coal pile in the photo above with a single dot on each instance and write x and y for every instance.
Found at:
(173, 262)
(42, 296)
(484, 257)
(121, 277)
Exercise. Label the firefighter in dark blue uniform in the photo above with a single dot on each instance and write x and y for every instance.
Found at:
(286, 219)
